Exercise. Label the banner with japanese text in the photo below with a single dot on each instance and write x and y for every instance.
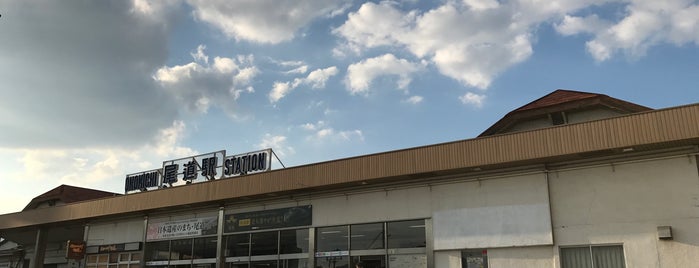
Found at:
(182, 228)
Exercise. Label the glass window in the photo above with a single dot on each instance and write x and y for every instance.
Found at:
(294, 263)
(592, 256)
(264, 264)
(406, 234)
(331, 238)
(377, 261)
(366, 236)
(239, 265)
(264, 244)
(474, 259)
(293, 241)
(205, 248)
(135, 257)
(238, 245)
(333, 262)
(157, 251)
(181, 249)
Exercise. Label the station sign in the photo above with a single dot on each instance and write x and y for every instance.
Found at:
(269, 219)
(199, 168)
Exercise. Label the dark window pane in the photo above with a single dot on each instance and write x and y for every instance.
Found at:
(608, 256)
(294, 263)
(239, 265)
(366, 236)
(333, 262)
(576, 257)
(157, 251)
(237, 245)
(294, 241)
(205, 248)
(331, 238)
(181, 249)
(264, 243)
(406, 234)
(474, 259)
(263, 264)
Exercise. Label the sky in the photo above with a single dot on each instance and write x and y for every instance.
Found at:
(93, 90)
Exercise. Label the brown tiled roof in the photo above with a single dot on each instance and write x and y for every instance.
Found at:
(558, 101)
(558, 97)
(68, 194)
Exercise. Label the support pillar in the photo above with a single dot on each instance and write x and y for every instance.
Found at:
(220, 245)
(37, 260)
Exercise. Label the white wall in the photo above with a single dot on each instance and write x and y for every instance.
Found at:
(115, 232)
(447, 259)
(624, 204)
(521, 257)
(503, 212)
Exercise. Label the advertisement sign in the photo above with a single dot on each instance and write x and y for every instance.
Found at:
(75, 250)
(269, 219)
(182, 228)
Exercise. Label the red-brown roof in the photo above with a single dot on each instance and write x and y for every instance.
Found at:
(68, 194)
(557, 101)
(558, 97)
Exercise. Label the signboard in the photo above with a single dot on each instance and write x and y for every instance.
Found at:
(75, 250)
(199, 168)
(182, 228)
(268, 219)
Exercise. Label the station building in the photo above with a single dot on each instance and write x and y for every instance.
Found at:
(573, 179)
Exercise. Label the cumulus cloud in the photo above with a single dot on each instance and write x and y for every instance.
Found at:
(316, 79)
(473, 41)
(199, 85)
(473, 99)
(278, 143)
(646, 24)
(263, 21)
(482, 45)
(360, 75)
(59, 76)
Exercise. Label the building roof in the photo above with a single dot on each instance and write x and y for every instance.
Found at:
(67, 194)
(558, 101)
(638, 133)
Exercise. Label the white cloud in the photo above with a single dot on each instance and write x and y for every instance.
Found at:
(263, 21)
(278, 143)
(199, 85)
(321, 132)
(484, 44)
(473, 99)
(99, 167)
(414, 99)
(360, 75)
(279, 90)
(473, 41)
(572, 25)
(298, 70)
(316, 79)
(643, 24)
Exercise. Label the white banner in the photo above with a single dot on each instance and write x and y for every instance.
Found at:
(182, 228)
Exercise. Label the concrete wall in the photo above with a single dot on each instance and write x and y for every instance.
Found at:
(624, 204)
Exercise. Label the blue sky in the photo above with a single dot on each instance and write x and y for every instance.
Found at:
(92, 91)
